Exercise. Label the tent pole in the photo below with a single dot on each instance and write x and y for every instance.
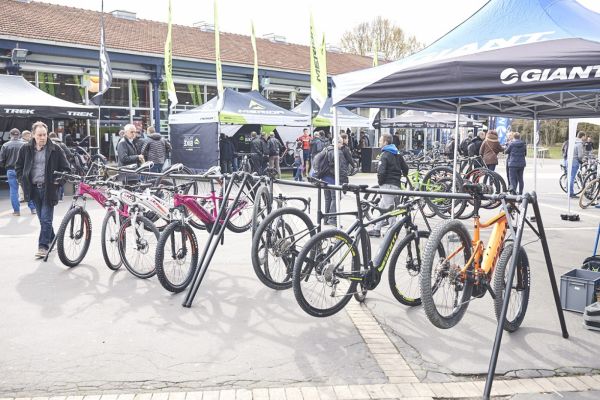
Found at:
(570, 152)
(454, 162)
(536, 138)
(336, 160)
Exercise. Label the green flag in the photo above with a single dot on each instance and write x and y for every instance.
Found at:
(318, 68)
(218, 55)
(255, 76)
(169, 63)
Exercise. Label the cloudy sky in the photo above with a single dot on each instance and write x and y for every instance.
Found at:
(427, 19)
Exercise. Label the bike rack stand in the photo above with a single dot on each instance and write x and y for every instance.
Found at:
(214, 238)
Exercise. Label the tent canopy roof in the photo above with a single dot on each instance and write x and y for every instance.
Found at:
(240, 109)
(421, 119)
(520, 58)
(324, 116)
(19, 98)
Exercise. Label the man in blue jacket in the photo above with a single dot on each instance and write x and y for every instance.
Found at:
(391, 168)
(516, 152)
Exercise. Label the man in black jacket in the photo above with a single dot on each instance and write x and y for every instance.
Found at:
(391, 168)
(36, 164)
(256, 148)
(128, 153)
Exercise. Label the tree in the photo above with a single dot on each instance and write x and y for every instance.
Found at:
(393, 43)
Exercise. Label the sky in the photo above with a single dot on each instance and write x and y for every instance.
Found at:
(426, 19)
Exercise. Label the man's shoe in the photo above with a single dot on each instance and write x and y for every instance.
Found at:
(16, 214)
(41, 253)
(574, 196)
(374, 233)
(33, 211)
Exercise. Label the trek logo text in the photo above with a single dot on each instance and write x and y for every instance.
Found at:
(80, 114)
(511, 76)
(19, 111)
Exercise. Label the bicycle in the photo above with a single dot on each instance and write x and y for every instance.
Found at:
(334, 262)
(178, 240)
(449, 281)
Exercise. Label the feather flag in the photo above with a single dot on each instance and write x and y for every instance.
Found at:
(105, 71)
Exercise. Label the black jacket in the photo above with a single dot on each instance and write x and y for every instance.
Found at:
(516, 150)
(256, 146)
(391, 168)
(156, 148)
(10, 152)
(226, 149)
(346, 163)
(474, 146)
(127, 153)
(55, 161)
(273, 146)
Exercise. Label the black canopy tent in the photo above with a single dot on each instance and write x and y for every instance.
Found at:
(21, 99)
(534, 59)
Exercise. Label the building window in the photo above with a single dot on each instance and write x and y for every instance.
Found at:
(141, 95)
(117, 95)
(65, 87)
(29, 76)
(300, 97)
(211, 91)
(282, 99)
(189, 95)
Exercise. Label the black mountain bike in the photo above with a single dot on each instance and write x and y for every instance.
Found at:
(334, 264)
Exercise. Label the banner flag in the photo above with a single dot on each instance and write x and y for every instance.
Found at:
(105, 71)
(374, 112)
(218, 55)
(255, 76)
(169, 63)
(318, 68)
(502, 126)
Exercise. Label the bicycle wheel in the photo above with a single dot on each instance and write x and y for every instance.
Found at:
(439, 179)
(276, 244)
(590, 193)
(370, 199)
(137, 246)
(326, 273)
(262, 207)
(176, 256)
(519, 294)
(241, 217)
(562, 181)
(74, 236)
(110, 235)
(444, 291)
(405, 268)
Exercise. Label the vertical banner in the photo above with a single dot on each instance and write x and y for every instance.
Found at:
(255, 75)
(374, 112)
(169, 64)
(318, 68)
(105, 71)
(502, 126)
(218, 55)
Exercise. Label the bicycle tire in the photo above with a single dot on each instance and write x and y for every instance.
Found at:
(165, 240)
(427, 291)
(84, 232)
(241, 220)
(146, 247)
(523, 286)
(262, 207)
(262, 243)
(589, 194)
(107, 243)
(443, 183)
(305, 267)
(412, 265)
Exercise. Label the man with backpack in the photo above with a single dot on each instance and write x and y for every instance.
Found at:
(463, 149)
(274, 153)
(324, 169)
(316, 145)
(391, 168)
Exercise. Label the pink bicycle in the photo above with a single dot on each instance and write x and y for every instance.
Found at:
(177, 249)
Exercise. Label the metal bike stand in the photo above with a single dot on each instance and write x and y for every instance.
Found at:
(522, 220)
(214, 238)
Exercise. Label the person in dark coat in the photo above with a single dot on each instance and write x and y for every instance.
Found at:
(264, 142)
(346, 161)
(392, 167)
(475, 146)
(128, 153)
(256, 150)
(516, 153)
(36, 163)
(156, 149)
(226, 154)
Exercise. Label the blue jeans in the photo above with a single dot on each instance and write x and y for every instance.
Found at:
(298, 174)
(156, 168)
(235, 164)
(13, 185)
(574, 169)
(45, 213)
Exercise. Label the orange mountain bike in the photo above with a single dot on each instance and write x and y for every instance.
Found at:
(451, 279)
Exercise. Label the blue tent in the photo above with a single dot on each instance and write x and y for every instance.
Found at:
(520, 58)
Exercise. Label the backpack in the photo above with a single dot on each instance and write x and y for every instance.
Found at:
(320, 164)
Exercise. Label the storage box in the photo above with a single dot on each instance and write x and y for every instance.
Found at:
(578, 289)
